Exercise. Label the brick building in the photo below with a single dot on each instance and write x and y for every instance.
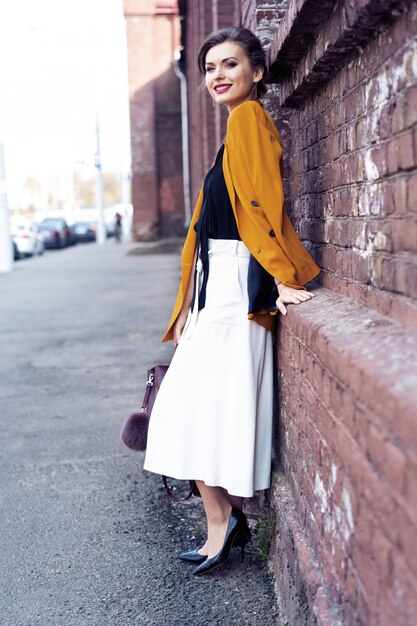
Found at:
(343, 92)
(155, 118)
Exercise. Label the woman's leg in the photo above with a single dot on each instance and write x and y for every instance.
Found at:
(236, 501)
(218, 509)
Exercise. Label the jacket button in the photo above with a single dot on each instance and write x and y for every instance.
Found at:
(272, 233)
(254, 203)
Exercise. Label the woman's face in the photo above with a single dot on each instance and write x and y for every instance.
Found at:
(229, 76)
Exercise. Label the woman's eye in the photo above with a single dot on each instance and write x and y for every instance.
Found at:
(230, 64)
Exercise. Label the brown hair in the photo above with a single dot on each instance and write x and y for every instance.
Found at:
(246, 40)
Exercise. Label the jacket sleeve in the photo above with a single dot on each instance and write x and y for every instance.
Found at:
(260, 149)
(255, 141)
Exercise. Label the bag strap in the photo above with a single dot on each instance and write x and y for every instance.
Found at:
(149, 385)
(175, 498)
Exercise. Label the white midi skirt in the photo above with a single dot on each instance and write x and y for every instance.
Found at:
(212, 418)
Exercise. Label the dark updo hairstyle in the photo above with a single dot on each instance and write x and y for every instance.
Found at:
(246, 40)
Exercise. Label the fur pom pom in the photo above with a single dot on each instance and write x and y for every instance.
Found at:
(134, 432)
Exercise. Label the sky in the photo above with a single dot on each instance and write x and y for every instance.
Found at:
(61, 62)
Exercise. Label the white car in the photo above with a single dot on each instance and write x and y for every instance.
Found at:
(27, 237)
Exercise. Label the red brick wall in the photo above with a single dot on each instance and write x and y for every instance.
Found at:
(169, 151)
(353, 176)
(346, 443)
(155, 118)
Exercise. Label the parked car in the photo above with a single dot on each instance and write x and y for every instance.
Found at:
(59, 225)
(54, 234)
(27, 237)
(84, 231)
(16, 255)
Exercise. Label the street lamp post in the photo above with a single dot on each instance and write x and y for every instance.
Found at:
(76, 186)
(6, 251)
(101, 230)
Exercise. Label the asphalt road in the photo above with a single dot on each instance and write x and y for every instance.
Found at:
(86, 537)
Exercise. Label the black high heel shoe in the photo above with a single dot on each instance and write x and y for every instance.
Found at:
(243, 537)
(192, 557)
(236, 534)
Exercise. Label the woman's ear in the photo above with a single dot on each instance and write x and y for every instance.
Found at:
(259, 72)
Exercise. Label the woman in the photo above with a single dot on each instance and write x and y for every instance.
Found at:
(242, 263)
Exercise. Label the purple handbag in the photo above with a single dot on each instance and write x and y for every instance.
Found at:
(134, 432)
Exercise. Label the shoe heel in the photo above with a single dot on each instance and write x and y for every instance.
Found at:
(243, 537)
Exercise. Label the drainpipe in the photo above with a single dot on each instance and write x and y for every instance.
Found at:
(184, 132)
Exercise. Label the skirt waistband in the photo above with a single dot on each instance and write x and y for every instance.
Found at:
(228, 246)
(225, 249)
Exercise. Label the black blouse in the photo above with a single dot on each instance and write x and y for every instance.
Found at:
(217, 212)
(217, 221)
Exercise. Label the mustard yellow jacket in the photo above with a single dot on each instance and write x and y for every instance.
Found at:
(252, 170)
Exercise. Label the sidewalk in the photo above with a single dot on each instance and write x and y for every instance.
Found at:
(87, 539)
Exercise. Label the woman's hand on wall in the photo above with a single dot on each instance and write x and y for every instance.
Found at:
(289, 295)
(179, 325)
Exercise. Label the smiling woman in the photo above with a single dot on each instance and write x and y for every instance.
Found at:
(239, 247)
(231, 80)
(232, 68)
